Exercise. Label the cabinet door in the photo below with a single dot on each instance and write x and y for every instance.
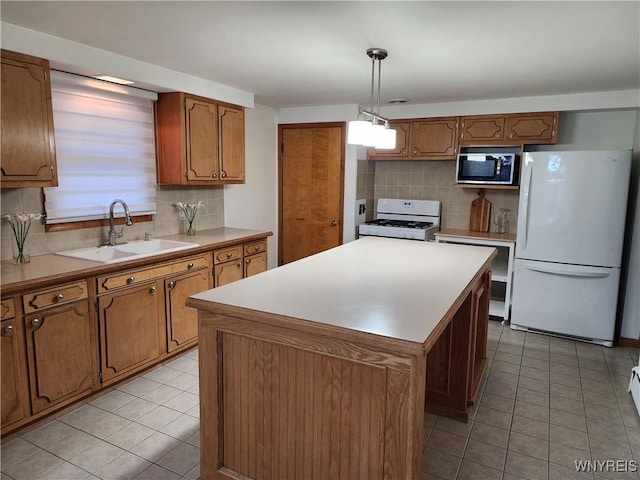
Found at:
(28, 149)
(434, 139)
(401, 152)
(130, 329)
(231, 123)
(60, 355)
(532, 127)
(13, 405)
(182, 321)
(482, 130)
(227, 272)
(255, 264)
(201, 124)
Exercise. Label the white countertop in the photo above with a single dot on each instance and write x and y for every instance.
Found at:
(394, 288)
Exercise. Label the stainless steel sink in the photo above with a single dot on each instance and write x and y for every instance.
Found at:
(128, 251)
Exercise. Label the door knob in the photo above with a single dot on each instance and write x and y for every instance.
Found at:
(333, 223)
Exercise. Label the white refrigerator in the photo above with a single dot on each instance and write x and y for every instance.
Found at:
(571, 219)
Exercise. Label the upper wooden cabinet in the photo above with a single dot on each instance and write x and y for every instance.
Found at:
(199, 141)
(422, 139)
(513, 129)
(28, 147)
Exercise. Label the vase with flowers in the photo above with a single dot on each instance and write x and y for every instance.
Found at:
(20, 224)
(188, 211)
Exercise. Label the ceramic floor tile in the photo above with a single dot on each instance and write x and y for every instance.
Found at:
(440, 464)
(527, 467)
(182, 427)
(181, 459)
(156, 472)
(136, 409)
(567, 456)
(447, 442)
(16, 451)
(494, 417)
(536, 373)
(535, 397)
(107, 425)
(138, 387)
(184, 381)
(474, 471)
(158, 418)
(34, 466)
(129, 436)
(49, 433)
(529, 426)
(66, 471)
(97, 456)
(155, 446)
(529, 445)
(73, 445)
(184, 401)
(162, 374)
(485, 454)
(530, 410)
(195, 439)
(453, 426)
(567, 419)
(112, 401)
(194, 473)
(125, 467)
(568, 437)
(484, 433)
(83, 416)
(161, 394)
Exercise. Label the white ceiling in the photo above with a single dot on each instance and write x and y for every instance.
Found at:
(313, 53)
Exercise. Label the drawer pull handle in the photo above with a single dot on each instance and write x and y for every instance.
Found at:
(229, 255)
(190, 266)
(8, 330)
(36, 322)
(257, 248)
(59, 297)
(152, 290)
(130, 280)
(171, 285)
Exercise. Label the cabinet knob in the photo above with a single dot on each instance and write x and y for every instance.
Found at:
(512, 135)
(130, 280)
(59, 297)
(239, 265)
(8, 330)
(248, 261)
(36, 322)
(190, 266)
(224, 174)
(257, 248)
(152, 290)
(497, 135)
(214, 175)
(171, 285)
(333, 223)
(229, 255)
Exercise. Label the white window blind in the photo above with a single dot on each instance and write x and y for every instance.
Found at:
(105, 149)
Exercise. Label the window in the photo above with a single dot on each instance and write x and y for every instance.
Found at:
(105, 149)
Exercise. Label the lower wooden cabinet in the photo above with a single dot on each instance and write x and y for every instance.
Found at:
(131, 324)
(60, 355)
(182, 321)
(13, 401)
(61, 343)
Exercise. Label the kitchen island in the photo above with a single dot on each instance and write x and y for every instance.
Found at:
(319, 368)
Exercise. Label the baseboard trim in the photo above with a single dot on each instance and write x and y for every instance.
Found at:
(629, 342)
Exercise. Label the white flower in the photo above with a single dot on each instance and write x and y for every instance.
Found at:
(20, 223)
(189, 209)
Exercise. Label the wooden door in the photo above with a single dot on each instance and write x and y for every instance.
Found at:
(28, 148)
(201, 124)
(311, 189)
(182, 321)
(483, 130)
(533, 127)
(60, 355)
(231, 123)
(13, 405)
(130, 329)
(255, 264)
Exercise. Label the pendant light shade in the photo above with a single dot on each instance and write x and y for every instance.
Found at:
(374, 132)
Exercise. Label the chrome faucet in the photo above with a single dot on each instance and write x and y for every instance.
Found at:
(113, 235)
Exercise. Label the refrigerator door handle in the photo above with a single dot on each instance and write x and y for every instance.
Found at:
(566, 273)
(528, 172)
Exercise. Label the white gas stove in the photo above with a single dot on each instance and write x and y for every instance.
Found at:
(397, 218)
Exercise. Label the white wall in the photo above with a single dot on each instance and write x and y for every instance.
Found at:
(254, 205)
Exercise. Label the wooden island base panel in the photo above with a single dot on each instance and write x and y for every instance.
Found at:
(318, 369)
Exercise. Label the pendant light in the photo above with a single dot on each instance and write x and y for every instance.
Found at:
(373, 132)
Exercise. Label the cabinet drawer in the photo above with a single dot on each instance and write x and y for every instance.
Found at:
(256, 247)
(107, 283)
(7, 309)
(60, 295)
(227, 254)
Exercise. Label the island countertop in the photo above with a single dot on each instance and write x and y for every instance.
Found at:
(383, 286)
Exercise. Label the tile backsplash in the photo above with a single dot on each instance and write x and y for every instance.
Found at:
(428, 180)
(165, 222)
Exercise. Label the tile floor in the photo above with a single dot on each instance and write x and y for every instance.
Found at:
(545, 403)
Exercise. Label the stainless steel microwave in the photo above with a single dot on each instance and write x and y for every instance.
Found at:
(487, 168)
